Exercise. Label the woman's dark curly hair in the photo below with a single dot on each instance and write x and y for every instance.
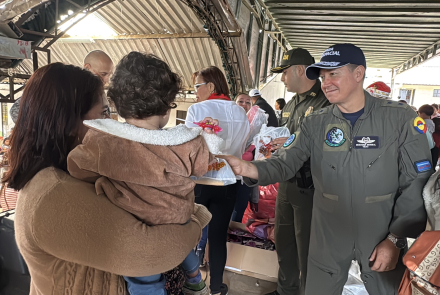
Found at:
(143, 86)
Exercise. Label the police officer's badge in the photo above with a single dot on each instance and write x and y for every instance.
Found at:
(335, 137)
(420, 125)
(309, 111)
(289, 141)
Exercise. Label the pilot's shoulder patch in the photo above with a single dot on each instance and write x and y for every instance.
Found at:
(394, 104)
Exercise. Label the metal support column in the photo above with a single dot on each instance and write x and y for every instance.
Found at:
(259, 53)
(266, 60)
(249, 33)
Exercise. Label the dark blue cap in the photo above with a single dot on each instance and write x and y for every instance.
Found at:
(337, 56)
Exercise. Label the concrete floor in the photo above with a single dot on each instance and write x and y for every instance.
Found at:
(243, 285)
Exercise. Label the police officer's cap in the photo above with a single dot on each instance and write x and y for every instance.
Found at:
(297, 56)
(337, 56)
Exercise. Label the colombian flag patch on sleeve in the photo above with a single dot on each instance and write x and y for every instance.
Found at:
(420, 125)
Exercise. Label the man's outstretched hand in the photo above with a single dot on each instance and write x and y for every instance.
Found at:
(278, 142)
(240, 167)
(235, 163)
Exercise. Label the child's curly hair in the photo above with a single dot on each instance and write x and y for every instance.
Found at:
(143, 86)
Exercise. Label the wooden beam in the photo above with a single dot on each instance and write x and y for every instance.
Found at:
(18, 76)
(152, 36)
(26, 31)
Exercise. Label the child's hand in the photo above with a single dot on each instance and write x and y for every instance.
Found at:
(209, 125)
(210, 121)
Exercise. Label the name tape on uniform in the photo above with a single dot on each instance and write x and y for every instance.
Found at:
(422, 166)
(366, 142)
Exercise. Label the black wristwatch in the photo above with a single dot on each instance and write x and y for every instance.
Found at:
(398, 242)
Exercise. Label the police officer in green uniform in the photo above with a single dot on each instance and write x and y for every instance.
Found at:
(294, 204)
(370, 161)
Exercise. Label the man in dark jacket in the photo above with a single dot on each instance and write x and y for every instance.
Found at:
(294, 204)
(257, 100)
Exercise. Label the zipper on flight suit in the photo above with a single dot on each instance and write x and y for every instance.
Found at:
(352, 135)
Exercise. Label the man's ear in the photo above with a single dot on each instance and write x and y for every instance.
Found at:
(87, 66)
(300, 70)
(359, 73)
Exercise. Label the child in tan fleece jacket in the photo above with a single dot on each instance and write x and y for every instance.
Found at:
(141, 167)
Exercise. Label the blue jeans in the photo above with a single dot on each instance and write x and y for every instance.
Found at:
(204, 239)
(155, 284)
(151, 285)
(243, 196)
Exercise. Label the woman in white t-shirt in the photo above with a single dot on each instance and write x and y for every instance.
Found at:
(213, 101)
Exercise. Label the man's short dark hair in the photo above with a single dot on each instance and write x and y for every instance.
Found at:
(427, 110)
(143, 86)
(281, 102)
(434, 105)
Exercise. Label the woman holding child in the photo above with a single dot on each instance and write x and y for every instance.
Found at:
(75, 236)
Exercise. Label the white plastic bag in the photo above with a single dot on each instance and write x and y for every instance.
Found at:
(257, 117)
(263, 139)
(354, 284)
(219, 174)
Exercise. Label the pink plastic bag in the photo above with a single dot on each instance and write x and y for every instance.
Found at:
(265, 214)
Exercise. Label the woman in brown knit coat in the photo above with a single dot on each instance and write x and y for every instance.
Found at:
(73, 239)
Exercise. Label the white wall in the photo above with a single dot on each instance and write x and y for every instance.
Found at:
(423, 95)
(273, 90)
(181, 106)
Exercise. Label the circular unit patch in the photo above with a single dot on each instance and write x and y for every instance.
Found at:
(289, 141)
(335, 137)
(420, 125)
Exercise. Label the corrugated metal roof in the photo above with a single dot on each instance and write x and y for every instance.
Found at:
(389, 32)
(184, 55)
(150, 17)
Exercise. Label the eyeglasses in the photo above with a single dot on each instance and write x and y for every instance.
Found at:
(196, 86)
